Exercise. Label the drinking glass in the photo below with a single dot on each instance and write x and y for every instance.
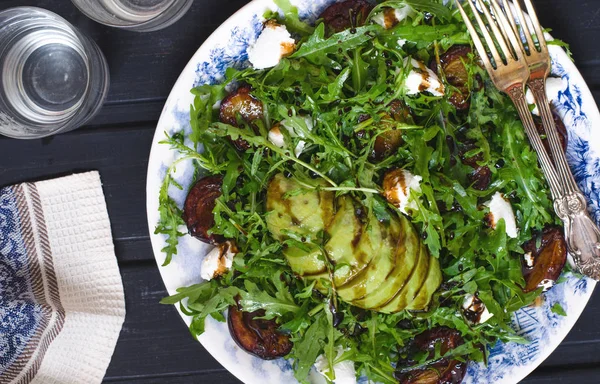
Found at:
(53, 78)
(135, 15)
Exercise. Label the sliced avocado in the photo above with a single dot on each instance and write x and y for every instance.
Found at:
(378, 270)
(407, 255)
(351, 243)
(306, 263)
(377, 266)
(408, 293)
(304, 213)
(434, 279)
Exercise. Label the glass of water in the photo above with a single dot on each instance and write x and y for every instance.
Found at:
(54, 79)
(135, 15)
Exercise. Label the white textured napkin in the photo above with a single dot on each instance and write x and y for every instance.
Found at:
(61, 296)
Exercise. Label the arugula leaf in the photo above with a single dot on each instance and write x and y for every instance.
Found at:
(291, 19)
(308, 346)
(274, 306)
(192, 292)
(317, 47)
(335, 88)
(170, 220)
(424, 34)
(558, 309)
(359, 71)
(431, 6)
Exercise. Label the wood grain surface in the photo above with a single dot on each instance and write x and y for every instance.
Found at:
(155, 346)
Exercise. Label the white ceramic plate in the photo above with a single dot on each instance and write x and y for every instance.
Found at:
(508, 363)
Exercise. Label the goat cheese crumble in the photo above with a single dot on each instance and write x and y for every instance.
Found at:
(218, 261)
(345, 372)
(392, 16)
(274, 43)
(422, 79)
(276, 136)
(473, 304)
(500, 208)
(400, 194)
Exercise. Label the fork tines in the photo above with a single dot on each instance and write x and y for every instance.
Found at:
(502, 37)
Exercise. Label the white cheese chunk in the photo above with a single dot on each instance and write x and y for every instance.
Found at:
(345, 372)
(500, 208)
(218, 261)
(554, 85)
(401, 193)
(529, 261)
(546, 284)
(276, 137)
(272, 44)
(392, 16)
(422, 79)
(472, 304)
(299, 148)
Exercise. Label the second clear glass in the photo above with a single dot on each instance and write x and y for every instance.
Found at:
(135, 15)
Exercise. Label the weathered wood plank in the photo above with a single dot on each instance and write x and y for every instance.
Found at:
(221, 376)
(577, 375)
(565, 375)
(121, 156)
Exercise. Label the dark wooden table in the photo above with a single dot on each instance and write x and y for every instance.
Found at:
(155, 346)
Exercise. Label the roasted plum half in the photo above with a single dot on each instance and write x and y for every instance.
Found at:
(258, 337)
(347, 14)
(481, 177)
(452, 63)
(542, 265)
(240, 108)
(443, 371)
(198, 208)
(388, 142)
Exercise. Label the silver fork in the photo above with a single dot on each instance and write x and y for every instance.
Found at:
(583, 236)
(510, 72)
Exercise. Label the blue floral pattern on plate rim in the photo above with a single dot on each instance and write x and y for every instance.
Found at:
(508, 363)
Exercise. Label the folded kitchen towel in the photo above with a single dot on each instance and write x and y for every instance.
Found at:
(61, 295)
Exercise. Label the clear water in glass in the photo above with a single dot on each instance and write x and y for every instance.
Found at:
(53, 78)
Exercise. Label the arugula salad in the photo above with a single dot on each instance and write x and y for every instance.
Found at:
(374, 205)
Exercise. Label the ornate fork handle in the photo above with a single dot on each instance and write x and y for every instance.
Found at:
(517, 94)
(538, 88)
(581, 233)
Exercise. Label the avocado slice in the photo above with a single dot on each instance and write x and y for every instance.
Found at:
(304, 213)
(351, 244)
(434, 279)
(379, 269)
(408, 293)
(306, 263)
(407, 254)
